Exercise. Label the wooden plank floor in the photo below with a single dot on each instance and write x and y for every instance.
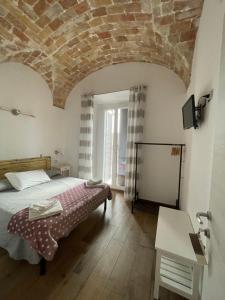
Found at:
(109, 256)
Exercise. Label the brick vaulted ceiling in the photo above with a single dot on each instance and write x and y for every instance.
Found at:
(65, 40)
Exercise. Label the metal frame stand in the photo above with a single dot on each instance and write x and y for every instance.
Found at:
(136, 198)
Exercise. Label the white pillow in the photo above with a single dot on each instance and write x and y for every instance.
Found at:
(5, 185)
(24, 180)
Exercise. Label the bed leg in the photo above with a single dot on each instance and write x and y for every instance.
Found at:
(105, 205)
(42, 266)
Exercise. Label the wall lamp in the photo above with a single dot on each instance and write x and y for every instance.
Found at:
(16, 112)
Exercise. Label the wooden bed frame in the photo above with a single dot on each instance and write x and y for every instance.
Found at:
(26, 164)
(29, 164)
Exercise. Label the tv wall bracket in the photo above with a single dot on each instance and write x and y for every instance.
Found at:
(204, 100)
(202, 103)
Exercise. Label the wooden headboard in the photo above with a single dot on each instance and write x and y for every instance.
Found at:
(26, 164)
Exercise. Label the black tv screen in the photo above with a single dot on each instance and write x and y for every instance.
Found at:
(189, 116)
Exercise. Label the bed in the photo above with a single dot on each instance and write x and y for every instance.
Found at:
(14, 206)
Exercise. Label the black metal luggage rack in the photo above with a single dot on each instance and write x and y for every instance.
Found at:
(136, 197)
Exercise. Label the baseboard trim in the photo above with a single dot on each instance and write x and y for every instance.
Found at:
(153, 203)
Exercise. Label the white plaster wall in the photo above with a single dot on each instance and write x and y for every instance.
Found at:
(205, 72)
(163, 121)
(23, 137)
(54, 128)
(199, 156)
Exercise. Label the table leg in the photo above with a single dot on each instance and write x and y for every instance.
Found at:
(196, 281)
(157, 275)
(105, 205)
(42, 266)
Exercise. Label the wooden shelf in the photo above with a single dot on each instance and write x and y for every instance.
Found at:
(176, 275)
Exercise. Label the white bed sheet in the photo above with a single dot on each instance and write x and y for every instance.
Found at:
(13, 201)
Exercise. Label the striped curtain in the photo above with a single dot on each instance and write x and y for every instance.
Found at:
(136, 113)
(86, 137)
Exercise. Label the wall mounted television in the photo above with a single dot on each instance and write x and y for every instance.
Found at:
(189, 114)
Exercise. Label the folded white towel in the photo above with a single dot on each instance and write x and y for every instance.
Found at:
(94, 181)
(93, 186)
(55, 209)
(43, 205)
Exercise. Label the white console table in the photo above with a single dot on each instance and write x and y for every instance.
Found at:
(177, 268)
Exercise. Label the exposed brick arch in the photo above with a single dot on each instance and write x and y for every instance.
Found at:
(65, 40)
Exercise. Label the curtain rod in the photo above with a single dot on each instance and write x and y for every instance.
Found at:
(111, 92)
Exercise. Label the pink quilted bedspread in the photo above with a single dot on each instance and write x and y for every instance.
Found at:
(43, 234)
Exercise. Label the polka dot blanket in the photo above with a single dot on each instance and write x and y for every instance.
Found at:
(43, 234)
